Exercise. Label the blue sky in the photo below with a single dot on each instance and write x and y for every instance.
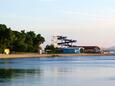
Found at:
(90, 22)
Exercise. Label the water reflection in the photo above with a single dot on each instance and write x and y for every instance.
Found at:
(64, 71)
(10, 74)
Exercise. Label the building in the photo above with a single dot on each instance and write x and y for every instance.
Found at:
(90, 49)
(68, 46)
(72, 50)
(81, 49)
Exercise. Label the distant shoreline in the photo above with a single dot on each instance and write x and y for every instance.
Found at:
(30, 55)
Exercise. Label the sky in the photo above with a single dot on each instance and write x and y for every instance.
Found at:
(90, 22)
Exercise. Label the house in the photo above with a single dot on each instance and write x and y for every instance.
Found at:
(90, 49)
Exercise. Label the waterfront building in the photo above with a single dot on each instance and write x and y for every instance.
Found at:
(68, 46)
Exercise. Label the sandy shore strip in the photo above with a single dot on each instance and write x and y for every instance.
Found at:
(30, 55)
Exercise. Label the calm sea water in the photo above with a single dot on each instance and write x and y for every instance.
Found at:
(58, 71)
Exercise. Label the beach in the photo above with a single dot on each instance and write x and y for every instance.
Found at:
(29, 55)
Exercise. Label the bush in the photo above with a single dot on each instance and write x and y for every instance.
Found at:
(1, 50)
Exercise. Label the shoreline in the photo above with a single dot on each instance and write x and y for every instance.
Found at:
(36, 55)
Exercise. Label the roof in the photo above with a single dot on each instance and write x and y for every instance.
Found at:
(89, 47)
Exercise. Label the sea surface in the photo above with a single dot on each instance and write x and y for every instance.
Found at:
(58, 71)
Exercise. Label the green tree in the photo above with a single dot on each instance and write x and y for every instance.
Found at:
(19, 41)
(5, 36)
(38, 41)
(52, 49)
(30, 36)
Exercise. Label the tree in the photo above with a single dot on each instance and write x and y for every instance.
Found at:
(38, 41)
(19, 41)
(30, 36)
(52, 49)
(5, 36)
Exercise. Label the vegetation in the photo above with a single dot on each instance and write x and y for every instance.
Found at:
(19, 41)
(51, 49)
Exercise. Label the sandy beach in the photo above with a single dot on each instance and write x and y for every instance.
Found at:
(29, 55)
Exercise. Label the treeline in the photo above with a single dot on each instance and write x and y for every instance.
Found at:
(50, 49)
(19, 41)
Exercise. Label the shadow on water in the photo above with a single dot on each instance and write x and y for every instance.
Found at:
(10, 74)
